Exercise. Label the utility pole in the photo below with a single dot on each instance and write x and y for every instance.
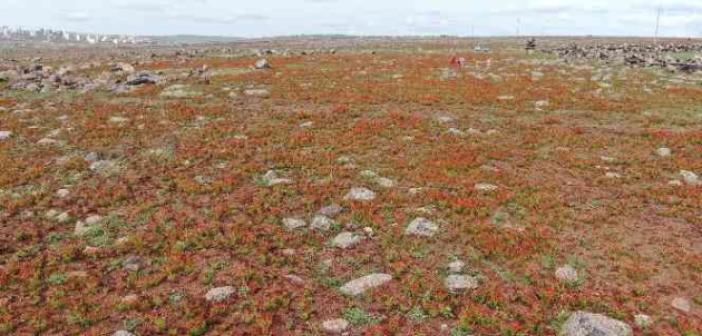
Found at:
(658, 24)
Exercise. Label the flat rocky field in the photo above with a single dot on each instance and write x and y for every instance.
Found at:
(349, 187)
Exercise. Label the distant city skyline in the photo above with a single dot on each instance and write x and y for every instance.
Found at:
(680, 18)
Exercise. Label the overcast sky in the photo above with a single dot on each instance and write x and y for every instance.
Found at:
(255, 18)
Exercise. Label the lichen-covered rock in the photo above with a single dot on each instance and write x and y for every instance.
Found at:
(588, 324)
(219, 294)
(422, 227)
(362, 284)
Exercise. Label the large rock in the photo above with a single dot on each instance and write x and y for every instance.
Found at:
(422, 227)
(362, 284)
(588, 324)
(219, 294)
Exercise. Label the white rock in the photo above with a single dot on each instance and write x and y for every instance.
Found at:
(485, 187)
(345, 240)
(456, 283)
(82, 227)
(612, 175)
(62, 193)
(122, 333)
(642, 320)
(321, 223)
(690, 177)
(118, 120)
(293, 223)
(422, 227)
(586, 324)
(360, 194)
(362, 284)
(4, 135)
(681, 304)
(331, 210)
(63, 217)
(271, 178)
(567, 273)
(384, 182)
(219, 294)
(104, 167)
(261, 93)
(48, 142)
(456, 266)
(335, 326)
(664, 151)
(307, 124)
(262, 64)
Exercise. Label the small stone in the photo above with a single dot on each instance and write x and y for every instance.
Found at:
(681, 304)
(690, 177)
(104, 167)
(613, 175)
(122, 333)
(82, 227)
(384, 182)
(321, 223)
(362, 284)
(360, 194)
(421, 227)
(219, 294)
(93, 220)
(675, 183)
(48, 142)
(368, 231)
(331, 210)
(457, 283)
(63, 193)
(132, 264)
(540, 104)
(261, 93)
(369, 174)
(485, 187)
(271, 178)
(456, 266)
(585, 324)
(643, 321)
(345, 240)
(293, 223)
(63, 217)
(91, 250)
(4, 135)
(130, 300)
(262, 64)
(664, 151)
(335, 326)
(118, 120)
(567, 273)
(288, 252)
(294, 279)
(307, 124)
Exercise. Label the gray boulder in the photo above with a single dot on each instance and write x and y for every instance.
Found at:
(583, 323)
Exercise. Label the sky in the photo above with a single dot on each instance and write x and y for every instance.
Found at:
(260, 18)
